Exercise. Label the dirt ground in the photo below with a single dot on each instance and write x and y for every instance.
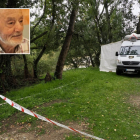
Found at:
(19, 132)
(135, 100)
(42, 131)
(39, 130)
(46, 131)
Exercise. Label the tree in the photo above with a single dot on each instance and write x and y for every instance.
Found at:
(46, 36)
(65, 47)
(100, 22)
(111, 22)
(7, 80)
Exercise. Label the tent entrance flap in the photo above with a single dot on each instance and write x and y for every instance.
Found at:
(108, 59)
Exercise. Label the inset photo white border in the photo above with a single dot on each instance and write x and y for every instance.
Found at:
(13, 30)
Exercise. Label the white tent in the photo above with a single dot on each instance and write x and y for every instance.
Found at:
(108, 59)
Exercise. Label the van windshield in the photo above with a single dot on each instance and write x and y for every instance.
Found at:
(130, 50)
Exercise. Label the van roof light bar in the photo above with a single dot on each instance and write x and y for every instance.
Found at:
(133, 37)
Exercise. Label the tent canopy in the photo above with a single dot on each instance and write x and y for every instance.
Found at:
(108, 59)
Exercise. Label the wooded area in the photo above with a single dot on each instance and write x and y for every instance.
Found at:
(66, 33)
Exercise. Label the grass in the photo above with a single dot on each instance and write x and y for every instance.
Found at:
(96, 98)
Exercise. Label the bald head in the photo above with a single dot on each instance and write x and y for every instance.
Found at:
(9, 13)
(4, 12)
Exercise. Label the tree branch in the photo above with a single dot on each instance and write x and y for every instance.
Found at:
(39, 36)
(40, 18)
(101, 13)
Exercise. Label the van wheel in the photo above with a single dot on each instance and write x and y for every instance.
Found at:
(118, 72)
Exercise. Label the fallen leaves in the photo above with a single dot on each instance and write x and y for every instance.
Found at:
(39, 126)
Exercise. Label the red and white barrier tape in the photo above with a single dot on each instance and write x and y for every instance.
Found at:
(18, 107)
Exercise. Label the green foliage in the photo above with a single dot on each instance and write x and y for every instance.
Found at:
(17, 65)
(3, 4)
(0, 70)
(46, 64)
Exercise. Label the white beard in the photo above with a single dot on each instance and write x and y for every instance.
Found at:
(10, 42)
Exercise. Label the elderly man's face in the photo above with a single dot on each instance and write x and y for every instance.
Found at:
(11, 26)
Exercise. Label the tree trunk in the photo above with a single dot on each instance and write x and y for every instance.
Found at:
(26, 72)
(7, 80)
(74, 63)
(138, 27)
(65, 47)
(108, 21)
(37, 60)
(97, 60)
(92, 62)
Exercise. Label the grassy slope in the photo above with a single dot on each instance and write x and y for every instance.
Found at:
(98, 98)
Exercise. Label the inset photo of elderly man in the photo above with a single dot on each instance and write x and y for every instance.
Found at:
(14, 31)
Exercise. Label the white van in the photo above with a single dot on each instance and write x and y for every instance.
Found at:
(129, 55)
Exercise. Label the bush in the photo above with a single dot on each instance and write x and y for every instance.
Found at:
(46, 64)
